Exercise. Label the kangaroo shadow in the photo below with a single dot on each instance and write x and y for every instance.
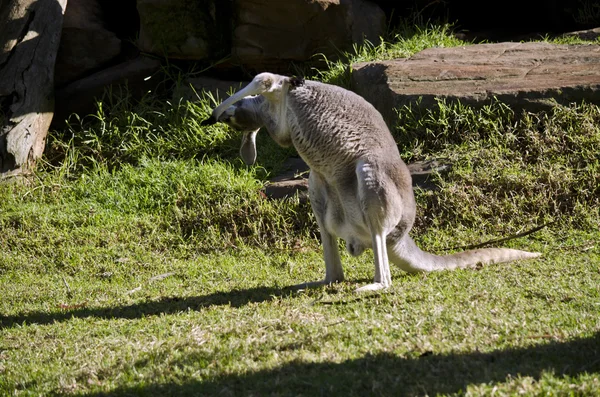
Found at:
(386, 374)
(166, 305)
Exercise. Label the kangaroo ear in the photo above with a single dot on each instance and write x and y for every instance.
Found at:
(248, 147)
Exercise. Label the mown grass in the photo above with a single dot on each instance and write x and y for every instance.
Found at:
(142, 260)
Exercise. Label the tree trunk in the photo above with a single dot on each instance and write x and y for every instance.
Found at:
(29, 35)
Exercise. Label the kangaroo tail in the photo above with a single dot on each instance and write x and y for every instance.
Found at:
(411, 258)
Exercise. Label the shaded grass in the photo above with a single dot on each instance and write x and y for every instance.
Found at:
(124, 131)
(570, 40)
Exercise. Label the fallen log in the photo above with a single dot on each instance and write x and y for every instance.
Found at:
(29, 33)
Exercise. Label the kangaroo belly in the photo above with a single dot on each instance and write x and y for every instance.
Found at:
(344, 219)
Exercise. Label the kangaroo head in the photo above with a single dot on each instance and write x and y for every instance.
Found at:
(263, 102)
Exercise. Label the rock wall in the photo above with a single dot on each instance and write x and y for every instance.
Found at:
(85, 44)
(108, 42)
(255, 35)
(269, 35)
(104, 44)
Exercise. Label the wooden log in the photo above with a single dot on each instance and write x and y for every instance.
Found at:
(29, 33)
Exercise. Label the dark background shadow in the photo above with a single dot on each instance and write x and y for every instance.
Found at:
(389, 375)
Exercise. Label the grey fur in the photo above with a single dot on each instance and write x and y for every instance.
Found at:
(359, 188)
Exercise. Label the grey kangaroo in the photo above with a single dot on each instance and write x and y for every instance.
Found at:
(359, 188)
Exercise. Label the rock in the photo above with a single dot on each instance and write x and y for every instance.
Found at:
(261, 35)
(293, 180)
(82, 51)
(85, 44)
(83, 14)
(269, 35)
(530, 76)
(80, 96)
(197, 30)
(287, 188)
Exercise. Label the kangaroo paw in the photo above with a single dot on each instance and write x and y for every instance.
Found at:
(371, 287)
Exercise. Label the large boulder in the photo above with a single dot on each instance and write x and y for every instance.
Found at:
(530, 76)
(197, 29)
(85, 44)
(259, 34)
(269, 35)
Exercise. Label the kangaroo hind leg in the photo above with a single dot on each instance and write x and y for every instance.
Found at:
(375, 205)
(383, 278)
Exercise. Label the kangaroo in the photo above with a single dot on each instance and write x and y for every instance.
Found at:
(359, 187)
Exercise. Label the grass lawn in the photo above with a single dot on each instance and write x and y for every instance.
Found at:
(141, 259)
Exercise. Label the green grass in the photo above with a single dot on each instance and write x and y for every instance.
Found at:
(141, 259)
